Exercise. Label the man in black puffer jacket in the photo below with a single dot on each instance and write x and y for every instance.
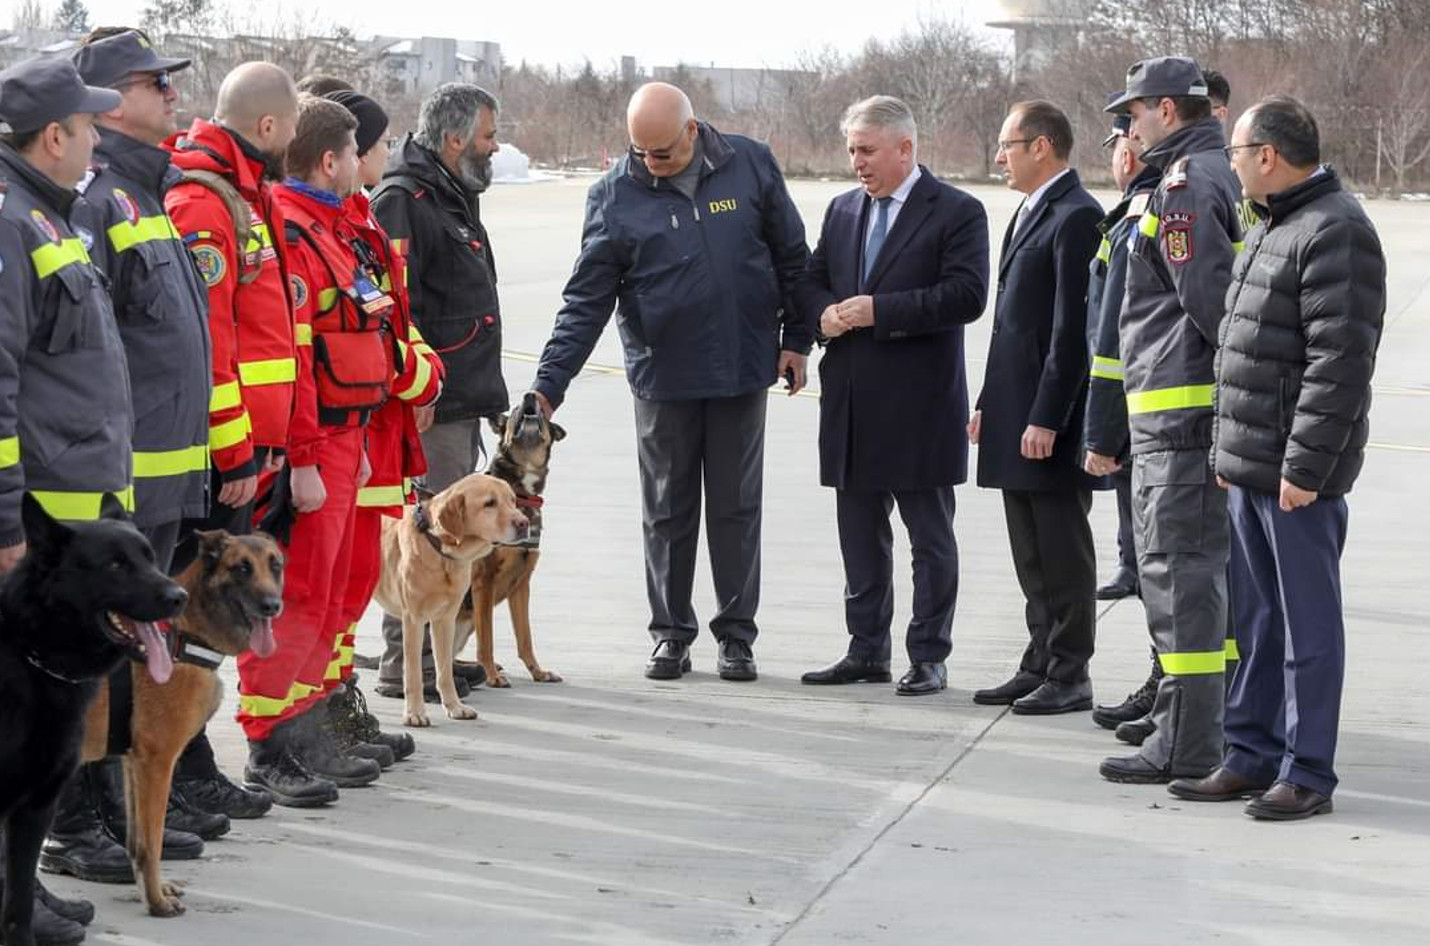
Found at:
(1304, 316)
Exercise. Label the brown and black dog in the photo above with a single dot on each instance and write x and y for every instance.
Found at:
(235, 588)
(522, 458)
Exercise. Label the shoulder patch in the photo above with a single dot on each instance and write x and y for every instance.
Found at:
(1177, 234)
(1176, 177)
(300, 291)
(43, 224)
(212, 266)
(1138, 205)
(128, 206)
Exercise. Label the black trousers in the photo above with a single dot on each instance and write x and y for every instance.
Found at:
(866, 544)
(1057, 570)
(1126, 546)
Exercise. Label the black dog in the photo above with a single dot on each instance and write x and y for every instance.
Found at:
(81, 600)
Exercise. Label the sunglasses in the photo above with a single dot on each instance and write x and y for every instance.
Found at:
(657, 154)
(160, 81)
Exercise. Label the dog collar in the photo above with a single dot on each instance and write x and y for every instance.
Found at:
(424, 526)
(189, 651)
(530, 502)
(35, 662)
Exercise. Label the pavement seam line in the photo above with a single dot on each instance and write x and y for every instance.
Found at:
(893, 822)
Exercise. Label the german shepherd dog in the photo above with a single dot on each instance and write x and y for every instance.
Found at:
(235, 588)
(84, 597)
(522, 458)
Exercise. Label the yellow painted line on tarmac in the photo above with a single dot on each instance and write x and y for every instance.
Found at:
(594, 368)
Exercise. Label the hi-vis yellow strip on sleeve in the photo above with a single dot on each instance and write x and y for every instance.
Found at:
(193, 459)
(1170, 399)
(229, 434)
(125, 235)
(1238, 246)
(1109, 369)
(420, 379)
(224, 396)
(272, 371)
(303, 334)
(80, 507)
(1232, 651)
(1194, 663)
(9, 452)
(55, 256)
(327, 298)
(1104, 250)
(1150, 225)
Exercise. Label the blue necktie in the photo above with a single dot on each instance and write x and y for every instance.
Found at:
(876, 238)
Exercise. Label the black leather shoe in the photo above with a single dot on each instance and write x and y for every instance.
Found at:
(92, 855)
(107, 791)
(1134, 770)
(1018, 687)
(183, 816)
(669, 661)
(474, 673)
(1138, 704)
(271, 768)
(849, 669)
(1124, 584)
(50, 929)
(923, 677)
(217, 795)
(1222, 785)
(1053, 697)
(1134, 732)
(76, 911)
(1287, 801)
(736, 660)
(393, 691)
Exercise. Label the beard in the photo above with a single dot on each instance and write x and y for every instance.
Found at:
(275, 166)
(475, 170)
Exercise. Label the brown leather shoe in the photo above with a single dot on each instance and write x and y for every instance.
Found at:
(1287, 801)
(1222, 785)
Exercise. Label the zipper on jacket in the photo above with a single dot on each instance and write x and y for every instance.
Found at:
(674, 221)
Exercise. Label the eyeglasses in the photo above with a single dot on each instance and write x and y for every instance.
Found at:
(1231, 150)
(160, 81)
(1005, 145)
(657, 154)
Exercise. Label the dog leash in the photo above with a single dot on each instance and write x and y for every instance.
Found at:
(423, 522)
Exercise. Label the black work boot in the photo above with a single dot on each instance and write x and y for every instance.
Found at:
(274, 770)
(55, 921)
(185, 816)
(355, 726)
(1138, 704)
(215, 794)
(1134, 732)
(313, 743)
(78, 844)
(107, 776)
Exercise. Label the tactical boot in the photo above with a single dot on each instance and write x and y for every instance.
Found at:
(1138, 704)
(1134, 732)
(76, 911)
(355, 726)
(273, 769)
(78, 844)
(183, 816)
(54, 919)
(215, 794)
(311, 740)
(107, 777)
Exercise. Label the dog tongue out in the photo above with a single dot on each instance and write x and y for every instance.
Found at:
(156, 651)
(261, 640)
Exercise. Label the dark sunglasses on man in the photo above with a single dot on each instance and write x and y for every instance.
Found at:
(657, 154)
(160, 81)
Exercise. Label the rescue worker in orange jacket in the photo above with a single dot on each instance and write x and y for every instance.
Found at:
(347, 357)
(225, 212)
(394, 447)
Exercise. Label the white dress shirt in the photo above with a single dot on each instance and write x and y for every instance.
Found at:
(900, 194)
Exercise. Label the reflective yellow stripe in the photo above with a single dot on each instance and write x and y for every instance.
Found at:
(334, 670)
(1194, 663)
(229, 434)
(272, 371)
(1150, 225)
(1104, 250)
(9, 451)
(1107, 368)
(385, 283)
(259, 238)
(1232, 651)
(54, 256)
(414, 336)
(1238, 246)
(171, 462)
(224, 396)
(78, 507)
(267, 706)
(1170, 399)
(419, 381)
(124, 235)
(303, 334)
(327, 298)
(379, 496)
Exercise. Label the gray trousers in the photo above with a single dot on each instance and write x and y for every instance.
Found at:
(453, 450)
(680, 445)
(1183, 544)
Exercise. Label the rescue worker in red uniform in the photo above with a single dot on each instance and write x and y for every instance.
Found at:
(346, 363)
(394, 447)
(224, 210)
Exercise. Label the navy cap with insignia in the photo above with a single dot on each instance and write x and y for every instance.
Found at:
(109, 61)
(1165, 77)
(39, 91)
(1121, 122)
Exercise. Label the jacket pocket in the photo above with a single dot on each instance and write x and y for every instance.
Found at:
(147, 302)
(1170, 487)
(77, 318)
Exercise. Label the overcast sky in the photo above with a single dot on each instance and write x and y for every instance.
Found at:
(727, 32)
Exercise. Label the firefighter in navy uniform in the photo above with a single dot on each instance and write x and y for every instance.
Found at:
(68, 441)
(1178, 271)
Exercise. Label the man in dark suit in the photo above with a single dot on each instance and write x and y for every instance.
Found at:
(1029, 420)
(901, 267)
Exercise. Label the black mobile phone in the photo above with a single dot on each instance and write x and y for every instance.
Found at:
(789, 378)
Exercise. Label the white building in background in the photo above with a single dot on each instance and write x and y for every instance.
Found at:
(420, 65)
(735, 89)
(1039, 27)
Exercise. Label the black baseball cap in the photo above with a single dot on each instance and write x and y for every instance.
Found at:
(1165, 77)
(107, 61)
(39, 91)
(1121, 122)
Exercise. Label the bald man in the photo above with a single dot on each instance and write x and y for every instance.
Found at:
(225, 212)
(691, 238)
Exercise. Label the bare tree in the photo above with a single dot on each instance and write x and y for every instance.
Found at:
(29, 15)
(72, 16)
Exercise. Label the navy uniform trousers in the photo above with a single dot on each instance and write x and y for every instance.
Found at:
(1284, 707)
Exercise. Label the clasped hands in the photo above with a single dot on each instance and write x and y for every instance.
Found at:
(854, 312)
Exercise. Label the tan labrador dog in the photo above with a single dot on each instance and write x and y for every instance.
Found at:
(427, 559)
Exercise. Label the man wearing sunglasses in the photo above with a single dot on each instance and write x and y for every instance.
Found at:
(693, 237)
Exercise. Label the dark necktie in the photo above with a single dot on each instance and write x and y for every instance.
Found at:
(876, 238)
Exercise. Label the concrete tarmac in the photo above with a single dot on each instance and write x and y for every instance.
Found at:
(611, 809)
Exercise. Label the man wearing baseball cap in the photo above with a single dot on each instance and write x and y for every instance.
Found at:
(67, 441)
(1178, 271)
